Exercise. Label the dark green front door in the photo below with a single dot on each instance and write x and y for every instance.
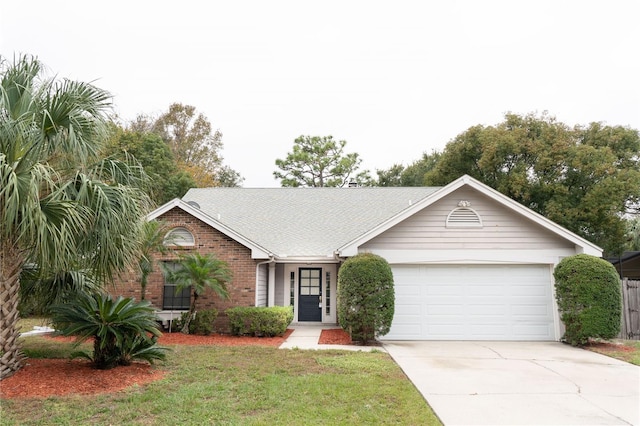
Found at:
(310, 294)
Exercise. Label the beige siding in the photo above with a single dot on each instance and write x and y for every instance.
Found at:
(263, 277)
(280, 286)
(502, 229)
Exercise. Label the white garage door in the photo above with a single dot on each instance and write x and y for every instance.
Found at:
(472, 302)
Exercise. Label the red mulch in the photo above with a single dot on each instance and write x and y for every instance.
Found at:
(335, 336)
(42, 378)
(607, 346)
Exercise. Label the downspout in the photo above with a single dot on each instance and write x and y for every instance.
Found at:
(271, 260)
(339, 259)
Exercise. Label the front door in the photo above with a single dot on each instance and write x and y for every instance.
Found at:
(310, 294)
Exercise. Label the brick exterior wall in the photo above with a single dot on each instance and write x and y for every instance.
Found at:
(207, 240)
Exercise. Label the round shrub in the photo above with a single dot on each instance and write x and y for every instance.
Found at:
(589, 298)
(365, 297)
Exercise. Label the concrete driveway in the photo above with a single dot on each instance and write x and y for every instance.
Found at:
(520, 383)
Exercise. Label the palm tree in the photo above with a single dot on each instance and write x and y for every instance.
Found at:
(61, 205)
(152, 241)
(200, 272)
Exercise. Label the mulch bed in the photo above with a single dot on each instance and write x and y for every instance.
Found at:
(335, 336)
(42, 378)
(608, 346)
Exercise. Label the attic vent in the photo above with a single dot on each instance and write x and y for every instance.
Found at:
(194, 204)
(179, 237)
(464, 217)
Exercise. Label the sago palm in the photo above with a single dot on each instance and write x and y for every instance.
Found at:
(122, 330)
(200, 272)
(61, 205)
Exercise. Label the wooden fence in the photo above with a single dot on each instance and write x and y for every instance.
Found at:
(630, 309)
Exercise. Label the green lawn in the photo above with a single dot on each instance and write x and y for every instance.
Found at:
(247, 385)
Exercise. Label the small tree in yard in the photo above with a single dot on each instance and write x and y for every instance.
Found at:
(200, 272)
(152, 241)
(589, 298)
(365, 297)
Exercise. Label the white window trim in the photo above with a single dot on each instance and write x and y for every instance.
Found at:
(182, 238)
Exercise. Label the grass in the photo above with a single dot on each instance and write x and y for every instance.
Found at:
(247, 385)
(27, 324)
(625, 350)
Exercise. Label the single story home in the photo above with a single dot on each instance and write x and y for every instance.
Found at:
(468, 262)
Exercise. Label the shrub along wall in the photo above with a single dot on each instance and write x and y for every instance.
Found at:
(260, 321)
(589, 298)
(366, 297)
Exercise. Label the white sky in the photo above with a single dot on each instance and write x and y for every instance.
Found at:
(394, 79)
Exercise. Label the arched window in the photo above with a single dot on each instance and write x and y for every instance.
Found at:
(179, 237)
(464, 216)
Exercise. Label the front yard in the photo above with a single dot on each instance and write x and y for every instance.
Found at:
(249, 385)
(246, 385)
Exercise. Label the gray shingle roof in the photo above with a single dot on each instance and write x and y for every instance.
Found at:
(304, 222)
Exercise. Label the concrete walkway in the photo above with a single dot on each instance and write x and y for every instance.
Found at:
(520, 383)
(306, 336)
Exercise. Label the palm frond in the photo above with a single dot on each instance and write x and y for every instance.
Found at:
(43, 288)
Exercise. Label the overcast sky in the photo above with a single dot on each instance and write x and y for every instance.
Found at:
(394, 79)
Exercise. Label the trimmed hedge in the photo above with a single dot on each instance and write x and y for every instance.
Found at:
(589, 298)
(366, 298)
(259, 321)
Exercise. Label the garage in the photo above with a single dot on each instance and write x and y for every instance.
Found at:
(473, 302)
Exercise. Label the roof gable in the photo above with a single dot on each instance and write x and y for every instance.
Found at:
(486, 225)
(585, 246)
(257, 252)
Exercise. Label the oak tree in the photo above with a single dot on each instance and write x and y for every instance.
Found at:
(412, 175)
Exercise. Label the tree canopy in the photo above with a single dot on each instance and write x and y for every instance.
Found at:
(319, 161)
(166, 179)
(196, 147)
(412, 175)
